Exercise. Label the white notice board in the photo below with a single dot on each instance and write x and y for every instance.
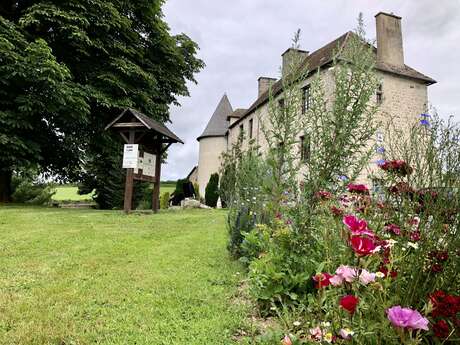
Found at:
(130, 156)
(148, 166)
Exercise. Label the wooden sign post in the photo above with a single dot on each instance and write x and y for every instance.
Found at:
(138, 130)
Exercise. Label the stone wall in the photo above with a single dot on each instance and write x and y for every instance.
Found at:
(211, 149)
(404, 100)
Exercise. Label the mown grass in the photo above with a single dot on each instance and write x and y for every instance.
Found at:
(101, 277)
(70, 193)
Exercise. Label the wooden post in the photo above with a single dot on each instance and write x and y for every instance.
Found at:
(156, 186)
(129, 184)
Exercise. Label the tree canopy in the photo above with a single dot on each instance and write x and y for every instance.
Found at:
(74, 65)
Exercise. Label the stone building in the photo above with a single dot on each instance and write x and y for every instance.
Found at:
(402, 96)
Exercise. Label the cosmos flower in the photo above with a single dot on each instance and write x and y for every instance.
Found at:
(406, 318)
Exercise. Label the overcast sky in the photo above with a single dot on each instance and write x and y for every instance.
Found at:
(241, 40)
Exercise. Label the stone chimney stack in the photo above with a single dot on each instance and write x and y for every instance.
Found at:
(291, 58)
(389, 39)
(264, 84)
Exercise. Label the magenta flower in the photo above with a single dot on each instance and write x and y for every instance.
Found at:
(357, 226)
(406, 318)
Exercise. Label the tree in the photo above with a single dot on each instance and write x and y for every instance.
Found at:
(41, 109)
(121, 54)
(212, 190)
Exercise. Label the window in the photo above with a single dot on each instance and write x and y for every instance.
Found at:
(379, 94)
(306, 99)
(304, 148)
(241, 129)
(251, 126)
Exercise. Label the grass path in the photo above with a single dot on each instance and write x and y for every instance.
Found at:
(100, 277)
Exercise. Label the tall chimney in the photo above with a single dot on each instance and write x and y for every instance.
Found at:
(292, 58)
(389, 39)
(264, 84)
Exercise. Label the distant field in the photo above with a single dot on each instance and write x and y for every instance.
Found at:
(70, 192)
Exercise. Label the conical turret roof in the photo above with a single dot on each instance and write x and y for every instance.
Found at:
(218, 124)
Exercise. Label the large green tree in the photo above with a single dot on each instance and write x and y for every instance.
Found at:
(120, 53)
(41, 109)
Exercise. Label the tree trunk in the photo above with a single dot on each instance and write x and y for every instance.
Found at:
(5, 186)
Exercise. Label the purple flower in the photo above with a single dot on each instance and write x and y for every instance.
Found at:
(406, 318)
(380, 162)
(380, 149)
(425, 122)
(425, 115)
(342, 178)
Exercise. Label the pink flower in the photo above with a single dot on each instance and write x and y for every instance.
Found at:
(366, 277)
(286, 340)
(406, 318)
(357, 226)
(363, 246)
(316, 333)
(343, 273)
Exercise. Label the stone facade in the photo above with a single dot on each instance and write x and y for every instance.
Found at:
(403, 95)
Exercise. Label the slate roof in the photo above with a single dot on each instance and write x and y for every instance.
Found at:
(218, 124)
(149, 124)
(237, 113)
(324, 56)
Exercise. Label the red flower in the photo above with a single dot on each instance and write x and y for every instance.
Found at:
(415, 236)
(337, 212)
(349, 303)
(444, 304)
(399, 167)
(436, 268)
(442, 256)
(322, 280)
(441, 329)
(401, 188)
(323, 194)
(393, 228)
(358, 188)
(362, 246)
(383, 269)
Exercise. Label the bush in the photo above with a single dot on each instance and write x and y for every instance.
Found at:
(212, 190)
(28, 192)
(164, 200)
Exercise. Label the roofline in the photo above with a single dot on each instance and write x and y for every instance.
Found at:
(211, 136)
(428, 81)
(388, 14)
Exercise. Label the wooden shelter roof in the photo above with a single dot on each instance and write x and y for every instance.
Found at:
(146, 122)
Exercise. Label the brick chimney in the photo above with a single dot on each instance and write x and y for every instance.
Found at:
(264, 84)
(291, 58)
(389, 39)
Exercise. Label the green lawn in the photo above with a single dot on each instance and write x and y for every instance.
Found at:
(101, 277)
(66, 193)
